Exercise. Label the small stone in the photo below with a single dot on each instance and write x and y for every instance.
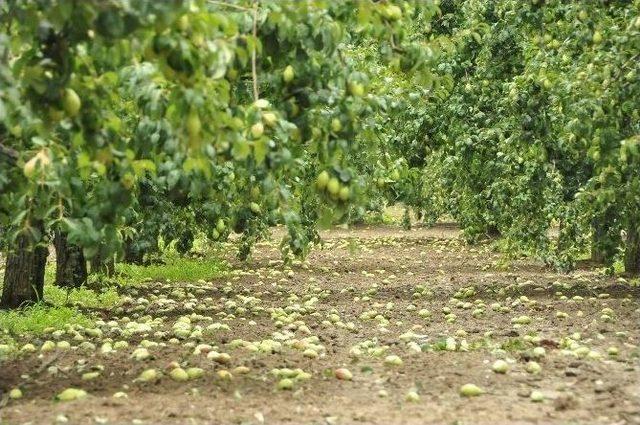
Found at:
(571, 372)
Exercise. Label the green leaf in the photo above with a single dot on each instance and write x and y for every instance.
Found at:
(141, 166)
(260, 149)
(241, 149)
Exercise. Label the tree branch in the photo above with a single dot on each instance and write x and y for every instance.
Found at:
(254, 72)
(233, 6)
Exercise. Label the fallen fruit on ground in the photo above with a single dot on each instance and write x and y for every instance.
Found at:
(285, 384)
(537, 396)
(179, 374)
(148, 375)
(71, 394)
(500, 366)
(343, 374)
(15, 394)
(470, 390)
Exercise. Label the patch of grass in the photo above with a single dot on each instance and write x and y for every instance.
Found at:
(513, 344)
(378, 217)
(618, 267)
(353, 246)
(440, 345)
(84, 297)
(50, 273)
(174, 270)
(35, 319)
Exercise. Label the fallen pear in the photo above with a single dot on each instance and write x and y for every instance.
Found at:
(195, 372)
(343, 374)
(285, 384)
(179, 374)
(412, 396)
(500, 366)
(148, 375)
(536, 396)
(470, 390)
(71, 394)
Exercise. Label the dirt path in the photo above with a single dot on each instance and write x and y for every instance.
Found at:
(443, 308)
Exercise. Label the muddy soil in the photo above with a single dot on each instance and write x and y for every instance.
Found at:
(445, 309)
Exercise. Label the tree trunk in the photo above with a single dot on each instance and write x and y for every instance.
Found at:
(493, 232)
(102, 263)
(24, 274)
(598, 251)
(71, 267)
(632, 251)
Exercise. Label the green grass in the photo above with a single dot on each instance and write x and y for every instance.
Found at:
(37, 318)
(174, 270)
(378, 217)
(62, 306)
(440, 345)
(618, 267)
(513, 344)
(83, 297)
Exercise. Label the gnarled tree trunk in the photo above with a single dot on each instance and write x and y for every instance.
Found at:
(71, 267)
(24, 274)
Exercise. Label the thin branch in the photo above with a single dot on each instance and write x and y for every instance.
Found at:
(233, 6)
(254, 72)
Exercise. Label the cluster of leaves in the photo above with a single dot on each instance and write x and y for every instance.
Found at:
(126, 121)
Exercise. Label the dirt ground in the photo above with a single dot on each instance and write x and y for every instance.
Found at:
(358, 299)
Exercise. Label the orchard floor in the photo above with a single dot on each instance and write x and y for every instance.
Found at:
(581, 383)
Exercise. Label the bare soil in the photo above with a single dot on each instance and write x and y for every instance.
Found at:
(394, 273)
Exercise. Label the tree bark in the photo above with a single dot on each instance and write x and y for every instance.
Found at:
(493, 232)
(598, 251)
(24, 274)
(71, 266)
(632, 251)
(102, 263)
